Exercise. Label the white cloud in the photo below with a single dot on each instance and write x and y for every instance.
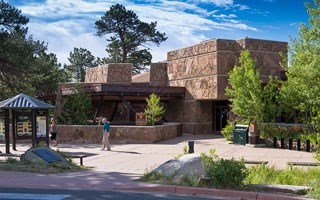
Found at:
(271, 27)
(68, 24)
(257, 11)
(223, 16)
(241, 7)
(217, 2)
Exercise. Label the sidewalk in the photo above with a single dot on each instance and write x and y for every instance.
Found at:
(117, 169)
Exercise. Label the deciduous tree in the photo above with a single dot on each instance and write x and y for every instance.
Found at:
(245, 91)
(301, 91)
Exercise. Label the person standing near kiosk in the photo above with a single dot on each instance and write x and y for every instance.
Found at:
(53, 132)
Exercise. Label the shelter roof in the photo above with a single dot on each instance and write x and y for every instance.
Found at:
(23, 101)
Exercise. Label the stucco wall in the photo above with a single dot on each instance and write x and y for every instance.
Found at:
(118, 134)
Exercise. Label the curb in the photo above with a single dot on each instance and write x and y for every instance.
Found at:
(214, 192)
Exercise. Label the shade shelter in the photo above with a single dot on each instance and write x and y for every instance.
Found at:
(29, 117)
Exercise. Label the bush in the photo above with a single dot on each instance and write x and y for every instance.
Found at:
(223, 173)
(261, 174)
(227, 131)
(185, 152)
(154, 109)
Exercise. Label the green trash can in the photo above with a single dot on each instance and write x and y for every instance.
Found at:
(240, 134)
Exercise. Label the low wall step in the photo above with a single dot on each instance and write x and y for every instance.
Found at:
(303, 163)
(292, 189)
(256, 162)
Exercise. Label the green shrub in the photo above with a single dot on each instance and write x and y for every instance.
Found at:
(11, 160)
(154, 177)
(185, 152)
(227, 131)
(223, 173)
(154, 109)
(261, 174)
(42, 144)
(76, 108)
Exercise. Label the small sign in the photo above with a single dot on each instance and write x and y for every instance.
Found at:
(141, 119)
(253, 127)
(47, 155)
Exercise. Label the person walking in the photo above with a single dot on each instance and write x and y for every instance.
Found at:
(53, 132)
(106, 134)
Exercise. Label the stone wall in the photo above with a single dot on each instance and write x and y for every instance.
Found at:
(196, 116)
(110, 73)
(158, 74)
(200, 67)
(118, 134)
(203, 70)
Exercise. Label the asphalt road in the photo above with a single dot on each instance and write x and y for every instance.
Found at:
(49, 194)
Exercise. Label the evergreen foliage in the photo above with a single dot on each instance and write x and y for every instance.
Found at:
(25, 66)
(154, 109)
(76, 108)
(80, 60)
(129, 37)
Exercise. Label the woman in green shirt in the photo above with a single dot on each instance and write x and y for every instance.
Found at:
(106, 133)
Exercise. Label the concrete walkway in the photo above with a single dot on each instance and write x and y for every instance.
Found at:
(118, 168)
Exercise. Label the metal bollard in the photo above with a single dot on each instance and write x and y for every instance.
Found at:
(308, 146)
(191, 146)
(274, 142)
(290, 143)
(299, 144)
(282, 143)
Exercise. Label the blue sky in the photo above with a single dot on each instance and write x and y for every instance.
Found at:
(65, 24)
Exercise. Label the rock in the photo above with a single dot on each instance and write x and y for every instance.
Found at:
(186, 166)
(45, 155)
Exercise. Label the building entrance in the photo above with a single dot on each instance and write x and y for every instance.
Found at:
(220, 115)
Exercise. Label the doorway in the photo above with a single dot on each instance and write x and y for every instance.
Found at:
(220, 115)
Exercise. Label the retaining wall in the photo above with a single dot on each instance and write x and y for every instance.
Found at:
(118, 134)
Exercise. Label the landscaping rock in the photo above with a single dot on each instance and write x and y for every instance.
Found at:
(45, 155)
(186, 166)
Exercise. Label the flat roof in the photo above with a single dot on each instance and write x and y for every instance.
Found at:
(137, 90)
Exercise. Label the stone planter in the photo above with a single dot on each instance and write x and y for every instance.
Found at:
(118, 133)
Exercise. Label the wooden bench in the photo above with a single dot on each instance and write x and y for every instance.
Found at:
(81, 156)
(303, 163)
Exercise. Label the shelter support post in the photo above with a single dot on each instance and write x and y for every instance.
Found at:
(47, 128)
(14, 139)
(6, 128)
(34, 127)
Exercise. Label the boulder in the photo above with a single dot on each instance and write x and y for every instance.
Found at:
(186, 166)
(45, 155)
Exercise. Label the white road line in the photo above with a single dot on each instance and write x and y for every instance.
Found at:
(25, 196)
